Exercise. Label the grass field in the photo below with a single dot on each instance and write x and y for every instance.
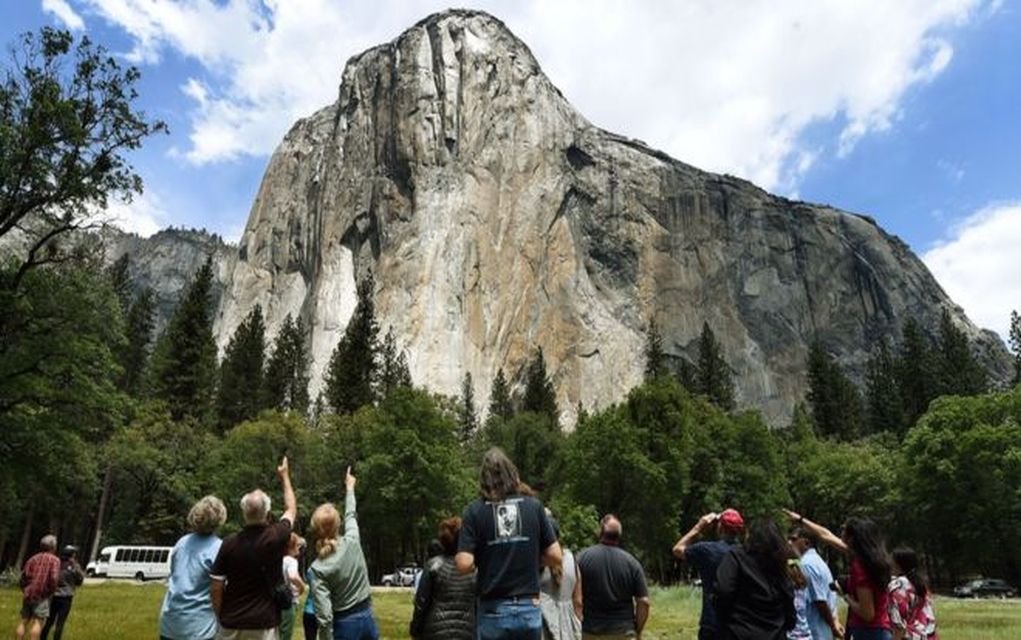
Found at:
(129, 611)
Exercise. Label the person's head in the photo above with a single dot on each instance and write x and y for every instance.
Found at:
(448, 533)
(294, 545)
(326, 528)
(207, 515)
(610, 529)
(255, 507)
(730, 523)
(48, 543)
(69, 552)
(905, 561)
(801, 540)
(865, 541)
(498, 477)
(768, 547)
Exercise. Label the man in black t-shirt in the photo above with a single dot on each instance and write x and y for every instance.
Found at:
(615, 596)
(508, 536)
(249, 566)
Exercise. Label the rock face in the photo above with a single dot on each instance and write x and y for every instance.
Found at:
(167, 261)
(495, 219)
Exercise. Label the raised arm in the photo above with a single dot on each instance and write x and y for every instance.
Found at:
(821, 532)
(290, 501)
(688, 538)
(350, 508)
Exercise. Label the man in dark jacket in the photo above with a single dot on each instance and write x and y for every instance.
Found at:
(614, 594)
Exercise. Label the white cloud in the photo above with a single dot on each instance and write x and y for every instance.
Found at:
(730, 85)
(64, 13)
(144, 215)
(978, 265)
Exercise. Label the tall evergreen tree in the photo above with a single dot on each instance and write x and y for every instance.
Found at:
(882, 393)
(959, 373)
(184, 361)
(352, 374)
(285, 385)
(655, 358)
(687, 375)
(1015, 344)
(393, 366)
(835, 402)
(500, 405)
(120, 280)
(239, 394)
(713, 378)
(916, 372)
(138, 329)
(540, 397)
(469, 420)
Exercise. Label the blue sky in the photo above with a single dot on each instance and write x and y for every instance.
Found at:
(906, 111)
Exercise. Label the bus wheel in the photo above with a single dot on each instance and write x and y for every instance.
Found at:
(140, 576)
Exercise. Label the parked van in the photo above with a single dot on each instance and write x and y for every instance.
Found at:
(140, 563)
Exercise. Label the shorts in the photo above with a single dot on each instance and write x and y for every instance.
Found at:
(39, 609)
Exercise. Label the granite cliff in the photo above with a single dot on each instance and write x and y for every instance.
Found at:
(495, 218)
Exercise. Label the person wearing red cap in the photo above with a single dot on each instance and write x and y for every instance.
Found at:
(705, 557)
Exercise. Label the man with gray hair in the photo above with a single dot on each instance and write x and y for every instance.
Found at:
(615, 598)
(39, 579)
(247, 571)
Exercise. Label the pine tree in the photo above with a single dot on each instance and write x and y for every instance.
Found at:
(712, 377)
(835, 402)
(393, 366)
(655, 358)
(139, 325)
(540, 397)
(1015, 344)
(120, 280)
(687, 375)
(500, 405)
(184, 361)
(241, 372)
(882, 392)
(916, 372)
(352, 374)
(959, 373)
(285, 385)
(469, 420)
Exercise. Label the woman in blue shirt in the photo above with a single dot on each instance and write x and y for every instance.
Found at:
(187, 612)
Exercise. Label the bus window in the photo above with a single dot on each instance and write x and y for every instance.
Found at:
(151, 555)
(104, 557)
(136, 555)
(121, 553)
(164, 555)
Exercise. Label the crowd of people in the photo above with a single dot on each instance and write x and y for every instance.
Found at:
(499, 572)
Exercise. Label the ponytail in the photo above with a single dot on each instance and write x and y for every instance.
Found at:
(325, 547)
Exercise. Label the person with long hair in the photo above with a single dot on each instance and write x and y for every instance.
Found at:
(866, 595)
(187, 612)
(444, 599)
(509, 537)
(754, 596)
(340, 584)
(910, 606)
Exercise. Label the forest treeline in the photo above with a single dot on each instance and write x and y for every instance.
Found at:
(112, 429)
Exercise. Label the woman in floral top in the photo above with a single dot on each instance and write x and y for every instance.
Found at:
(910, 607)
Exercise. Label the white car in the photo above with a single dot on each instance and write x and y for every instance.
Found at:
(403, 577)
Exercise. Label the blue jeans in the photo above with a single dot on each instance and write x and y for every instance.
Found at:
(518, 619)
(869, 634)
(357, 626)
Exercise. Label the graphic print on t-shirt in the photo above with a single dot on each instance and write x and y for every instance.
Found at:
(508, 520)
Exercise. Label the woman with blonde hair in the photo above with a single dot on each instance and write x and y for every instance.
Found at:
(340, 585)
(187, 612)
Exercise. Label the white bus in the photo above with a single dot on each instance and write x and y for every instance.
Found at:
(140, 563)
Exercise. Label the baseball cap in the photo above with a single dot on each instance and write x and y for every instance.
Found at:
(731, 519)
